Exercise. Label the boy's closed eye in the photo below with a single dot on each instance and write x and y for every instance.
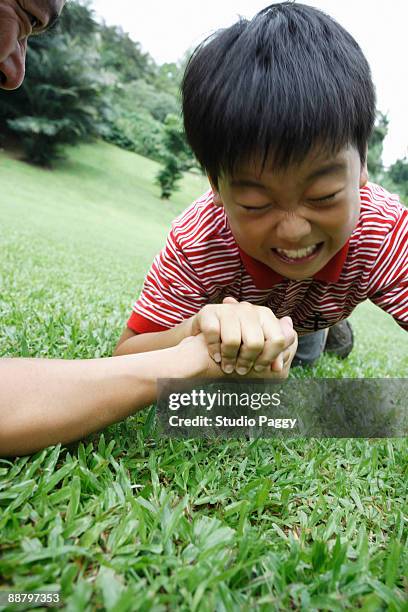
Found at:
(255, 208)
(326, 198)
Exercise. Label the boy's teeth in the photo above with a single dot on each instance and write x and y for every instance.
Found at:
(299, 253)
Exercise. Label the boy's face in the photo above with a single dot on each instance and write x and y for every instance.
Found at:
(294, 220)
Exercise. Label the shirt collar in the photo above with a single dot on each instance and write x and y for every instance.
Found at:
(265, 278)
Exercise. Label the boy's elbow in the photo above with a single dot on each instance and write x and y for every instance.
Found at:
(117, 351)
(122, 347)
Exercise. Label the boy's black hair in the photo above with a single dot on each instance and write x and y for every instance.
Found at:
(288, 80)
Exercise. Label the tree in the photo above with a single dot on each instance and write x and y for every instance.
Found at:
(169, 175)
(398, 173)
(137, 106)
(138, 95)
(375, 148)
(77, 21)
(123, 57)
(168, 76)
(177, 156)
(61, 99)
(136, 118)
(396, 177)
(137, 132)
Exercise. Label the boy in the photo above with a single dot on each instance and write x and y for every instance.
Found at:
(278, 111)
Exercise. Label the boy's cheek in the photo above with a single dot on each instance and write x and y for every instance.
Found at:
(243, 227)
(354, 213)
(245, 240)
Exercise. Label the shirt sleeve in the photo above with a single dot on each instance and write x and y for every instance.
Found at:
(389, 279)
(171, 292)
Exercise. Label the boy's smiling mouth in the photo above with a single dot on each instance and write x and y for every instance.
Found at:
(299, 255)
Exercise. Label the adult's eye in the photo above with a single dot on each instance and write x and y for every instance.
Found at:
(34, 21)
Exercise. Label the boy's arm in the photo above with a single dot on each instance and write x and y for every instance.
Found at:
(172, 294)
(239, 336)
(131, 342)
(389, 275)
(46, 401)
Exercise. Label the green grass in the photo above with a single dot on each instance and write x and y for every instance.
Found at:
(130, 521)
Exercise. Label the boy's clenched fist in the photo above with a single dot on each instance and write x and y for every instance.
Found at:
(242, 337)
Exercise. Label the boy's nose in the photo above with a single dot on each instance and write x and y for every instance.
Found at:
(293, 228)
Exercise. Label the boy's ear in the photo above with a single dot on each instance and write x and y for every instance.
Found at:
(364, 172)
(363, 175)
(217, 198)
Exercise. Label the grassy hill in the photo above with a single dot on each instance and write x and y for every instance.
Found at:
(101, 194)
(130, 521)
(76, 243)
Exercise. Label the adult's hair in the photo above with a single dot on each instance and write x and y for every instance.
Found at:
(277, 86)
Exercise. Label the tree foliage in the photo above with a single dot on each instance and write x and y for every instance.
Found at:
(61, 99)
(77, 22)
(139, 132)
(137, 117)
(177, 156)
(140, 94)
(395, 178)
(86, 79)
(375, 148)
(123, 57)
(398, 172)
(398, 178)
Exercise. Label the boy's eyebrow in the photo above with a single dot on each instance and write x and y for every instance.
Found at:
(246, 183)
(331, 168)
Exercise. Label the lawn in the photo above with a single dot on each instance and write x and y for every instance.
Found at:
(130, 521)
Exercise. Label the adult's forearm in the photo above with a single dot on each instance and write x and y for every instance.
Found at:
(43, 402)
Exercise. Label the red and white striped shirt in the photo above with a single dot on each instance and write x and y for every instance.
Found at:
(201, 263)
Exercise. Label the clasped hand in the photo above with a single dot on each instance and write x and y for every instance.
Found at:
(245, 338)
